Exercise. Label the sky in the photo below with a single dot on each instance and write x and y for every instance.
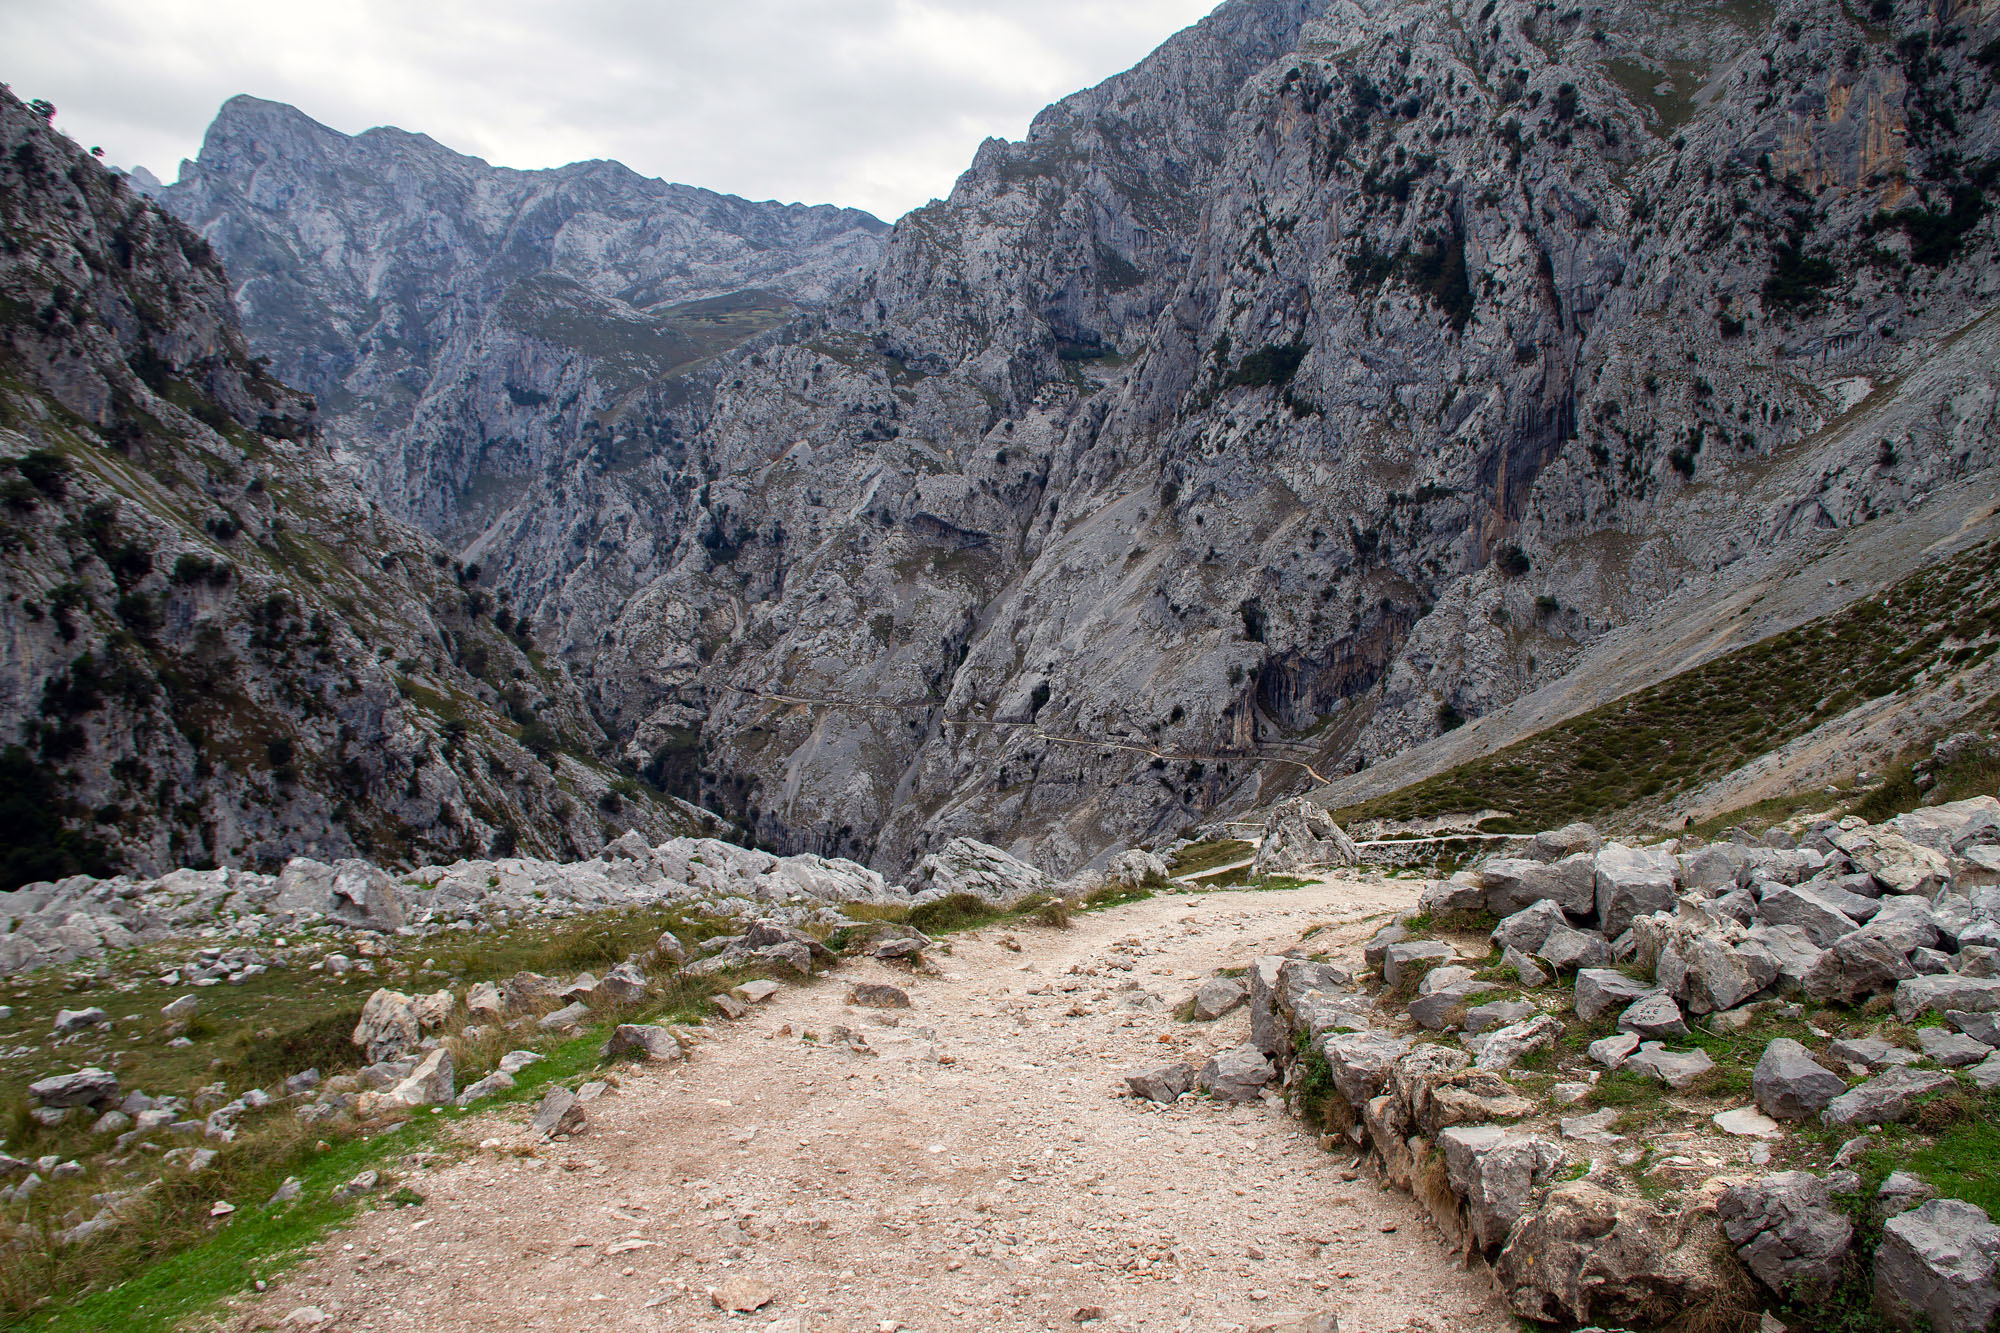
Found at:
(875, 104)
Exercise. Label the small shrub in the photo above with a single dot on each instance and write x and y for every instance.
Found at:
(955, 911)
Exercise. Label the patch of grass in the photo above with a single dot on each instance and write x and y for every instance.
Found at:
(1201, 857)
(1963, 1161)
(1643, 749)
(1113, 895)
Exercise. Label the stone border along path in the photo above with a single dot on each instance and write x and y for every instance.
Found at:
(983, 1169)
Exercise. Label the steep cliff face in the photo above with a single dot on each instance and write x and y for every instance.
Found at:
(465, 326)
(1337, 373)
(213, 647)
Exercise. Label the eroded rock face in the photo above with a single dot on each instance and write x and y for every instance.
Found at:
(1303, 837)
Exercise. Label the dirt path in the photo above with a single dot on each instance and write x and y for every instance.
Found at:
(1011, 1187)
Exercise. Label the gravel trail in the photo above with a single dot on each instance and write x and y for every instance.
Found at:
(982, 1169)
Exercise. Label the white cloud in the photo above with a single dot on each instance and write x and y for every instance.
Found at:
(877, 104)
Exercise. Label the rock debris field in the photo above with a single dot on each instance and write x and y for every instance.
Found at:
(973, 1160)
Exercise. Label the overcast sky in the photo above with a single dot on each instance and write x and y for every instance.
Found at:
(876, 104)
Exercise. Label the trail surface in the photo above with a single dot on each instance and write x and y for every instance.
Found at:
(1013, 1186)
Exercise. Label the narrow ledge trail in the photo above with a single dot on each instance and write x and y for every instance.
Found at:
(1013, 1186)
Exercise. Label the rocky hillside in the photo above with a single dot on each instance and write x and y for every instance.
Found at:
(1336, 375)
(214, 649)
(464, 326)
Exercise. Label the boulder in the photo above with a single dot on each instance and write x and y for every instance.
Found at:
(1531, 974)
(1653, 1016)
(1886, 1097)
(1982, 1028)
(1856, 966)
(1360, 1062)
(1790, 1085)
(1901, 1191)
(1525, 929)
(1568, 949)
(1939, 1263)
(1505, 1047)
(362, 897)
(1498, 1014)
(1376, 950)
(1238, 1074)
(1795, 954)
(1268, 1032)
(429, 1084)
(1457, 894)
(878, 995)
(1511, 885)
(1985, 1075)
(1401, 957)
(1569, 840)
(1495, 1171)
(1630, 883)
(1715, 967)
(558, 1113)
(1163, 1084)
(624, 984)
(391, 1026)
(1588, 1256)
(76, 1020)
(1601, 990)
(1613, 1051)
(1787, 1232)
(1920, 995)
(483, 1003)
(527, 990)
(964, 865)
(1811, 912)
(1444, 1006)
(648, 1041)
(566, 1019)
(1677, 1069)
(494, 1083)
(1871, 1052)
(1302, 836)
(1218, 996)
(1899, 865)
(186, 1007)
(86, 1087)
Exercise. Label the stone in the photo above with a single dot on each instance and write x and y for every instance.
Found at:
(1592, 1128)
(1787, 1232)
(566, 1019)
(1506, 1047)
(579, 990)
(1871, 1052)
(494, 1083)
(1498, 1014)
(515, 1061)
(1901, 1191)
(1524, 931)
(390, 1026)
(1438, 978)
(1886, 1097)
(1677, 1069)
(670, 948)
(1747, 1122)
(429, 1084)
(76, 1020)
(86, 1087)
(1613, 1051)
(1653, 1016)
(1567, 950)
(1631, 883)
(1238, 1074)
(1899, 865)
(1585, 1255)
(527, 990)
(363, 1183)
(1938, 1263)
(186, 1007)
(111, 1122)
(1600, 990)
(482, 1002)
(1953, 1050)
(1301, 836)
(1856, 966)
(648, 1041)
(1459, 894)
(739, 1294)
(1822, 922)
(755, 992)
(1376, 950)
(1444, 1007)
(1511, 885)
(1790, 1085)
(728, 1005)
(1531, 974)
(558, 1113)
(1268, 1031)
(1922, 995)
(291, 1191)
(624, 984)
(878, 995)
(1495, 1171)
(1418, 953)
(1982, 1028)
(965, 865)
(1795, 954)
(1360, 1062)
(1719, 972)
(1165, 1083)
(1218, 996)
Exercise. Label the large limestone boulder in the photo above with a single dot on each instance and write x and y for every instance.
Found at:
(352, 893)
(1303, 837)
(1939, 1263)
(1787, 1232)
(1495, 1170)
(1631, 882)
(1856, 966)
(1587, 1256)
(965, 865)
(1790, 1085)
(1512, 884)
(1360, 1062)
(391, 1026)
